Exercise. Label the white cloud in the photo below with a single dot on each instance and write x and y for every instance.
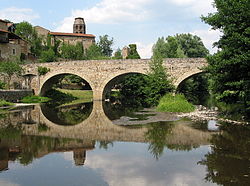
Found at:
(208, 37)
(109, 11)
(144, 50)
(199, 7)
(18, 14)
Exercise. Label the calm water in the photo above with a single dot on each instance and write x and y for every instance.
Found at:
(81, 145)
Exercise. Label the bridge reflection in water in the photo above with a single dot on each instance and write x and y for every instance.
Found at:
(39, 136)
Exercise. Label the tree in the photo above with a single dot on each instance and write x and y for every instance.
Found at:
(10, 68)
(74, 52)
(28, 33)
(192, 45)
(118, 54)
(48, 55)
(229, 67)
(180, 46)
(25, 30)
(158, 81)
(94, 52)
(147, 90)
(133, 54)
(105, 45)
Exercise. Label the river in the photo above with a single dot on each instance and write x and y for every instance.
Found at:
(108, 144)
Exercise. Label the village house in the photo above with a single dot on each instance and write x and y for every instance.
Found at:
(78, 35)
(10, 43)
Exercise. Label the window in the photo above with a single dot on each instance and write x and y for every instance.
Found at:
(80, 27)
(14, 51)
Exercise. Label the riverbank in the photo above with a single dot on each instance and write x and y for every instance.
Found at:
(202, 113)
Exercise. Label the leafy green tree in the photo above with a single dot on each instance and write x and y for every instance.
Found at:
(27, 32)
(180, 46)
(133, 54)
(94, 52)
(10, 68)
(158, 81)
(105, 45)
(118, 54)
(229, 67)
(74, 52)
(192, 45)
(147, 90)
(48, 56)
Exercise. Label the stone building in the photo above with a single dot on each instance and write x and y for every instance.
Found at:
(78, 35)
(10, 43)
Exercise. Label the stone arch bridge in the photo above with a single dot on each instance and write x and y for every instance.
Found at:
(101, 73)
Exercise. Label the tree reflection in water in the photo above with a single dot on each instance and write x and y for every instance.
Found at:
(228, 163)
(157, 134)
(67, 115)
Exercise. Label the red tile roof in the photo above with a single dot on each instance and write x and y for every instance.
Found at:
(71, 34)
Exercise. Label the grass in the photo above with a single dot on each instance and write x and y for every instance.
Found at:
(4, 103)
(177, 103)
(35, 99)
(83, 96)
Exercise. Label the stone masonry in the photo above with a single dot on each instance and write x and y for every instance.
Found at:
(99, 73)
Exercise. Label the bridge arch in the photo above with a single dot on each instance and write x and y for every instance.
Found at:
(185, 76)
(116, 78)
(52, 78)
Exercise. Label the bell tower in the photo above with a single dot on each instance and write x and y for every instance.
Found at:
(79, 26)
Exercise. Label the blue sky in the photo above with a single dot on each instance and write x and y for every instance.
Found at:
(127, 21)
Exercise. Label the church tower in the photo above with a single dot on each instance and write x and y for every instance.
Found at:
(79, 26)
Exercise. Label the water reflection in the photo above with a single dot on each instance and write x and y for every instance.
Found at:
(228, 163)
(160, 153)
(67, 115)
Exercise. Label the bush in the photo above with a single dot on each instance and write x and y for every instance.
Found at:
(42, 70)
(177, 103)
(4, 103)
(35, 99)
(48, 56)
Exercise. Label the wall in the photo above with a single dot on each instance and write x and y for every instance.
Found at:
(7, 50)
(86, 41)
(14, 95)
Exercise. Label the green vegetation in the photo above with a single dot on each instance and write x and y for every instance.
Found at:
(48, 56)
(26, 31)
(73, 52)
(138, 89)
(4, 103)
(82, 96)
(58, 97)
(177, 103)
(2, 85)
(133, 54)
(180, 46)
(9, 68)
(196, 89)
(42, 70)
(118, 54)
(35, 99)
(105, 44)
(229, 67)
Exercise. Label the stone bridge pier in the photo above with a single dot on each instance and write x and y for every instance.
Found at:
(100, 74)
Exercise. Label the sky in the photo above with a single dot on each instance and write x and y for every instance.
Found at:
(127, 21)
